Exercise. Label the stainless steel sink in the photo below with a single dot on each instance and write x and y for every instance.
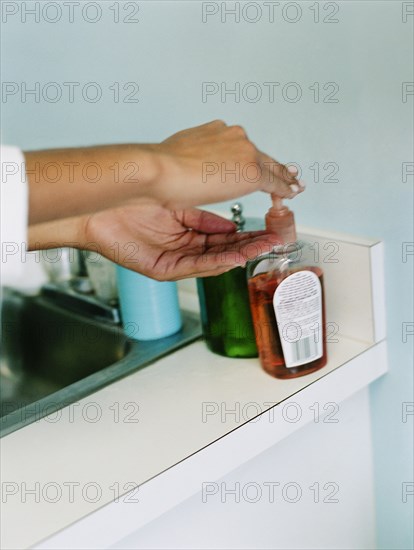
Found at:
(53, 355)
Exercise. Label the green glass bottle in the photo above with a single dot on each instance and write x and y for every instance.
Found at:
(224, 304)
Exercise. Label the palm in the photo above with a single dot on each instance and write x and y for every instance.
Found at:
(172, 244)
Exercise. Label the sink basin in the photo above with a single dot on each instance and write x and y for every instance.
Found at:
(53, 356)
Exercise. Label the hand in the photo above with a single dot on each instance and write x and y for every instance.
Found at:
(171, 244)
(215, 162)
(163, 244)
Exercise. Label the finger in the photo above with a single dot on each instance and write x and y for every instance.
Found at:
(221, 258)
(205, 222)
(231, 242)
(238, 243)
(208, 127)
(241, 252)
(230, 238)
(279, 178)
(211, 273)
(217, 123)
(281, 171)
(218, 259)
(237, 131)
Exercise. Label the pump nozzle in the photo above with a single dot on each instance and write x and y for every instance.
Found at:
(280, 221)
(277, 202)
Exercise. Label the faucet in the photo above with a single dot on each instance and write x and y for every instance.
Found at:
(83, 281)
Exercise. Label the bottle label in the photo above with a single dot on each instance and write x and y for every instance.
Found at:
(297, 302)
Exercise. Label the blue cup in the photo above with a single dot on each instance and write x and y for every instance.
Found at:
(149, 308)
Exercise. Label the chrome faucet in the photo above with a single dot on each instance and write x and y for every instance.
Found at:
(83, 281)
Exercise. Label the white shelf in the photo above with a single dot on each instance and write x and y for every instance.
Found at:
(174, 447)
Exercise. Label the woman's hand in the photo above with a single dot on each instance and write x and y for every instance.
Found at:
(215, 162)
(173, 244)
(160, 243)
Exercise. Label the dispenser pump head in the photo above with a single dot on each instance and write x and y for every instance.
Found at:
(281, 221)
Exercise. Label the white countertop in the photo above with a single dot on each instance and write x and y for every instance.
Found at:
(166, 425)
(190, 416)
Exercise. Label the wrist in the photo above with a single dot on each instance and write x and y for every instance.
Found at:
(147, 167)
(164, 187)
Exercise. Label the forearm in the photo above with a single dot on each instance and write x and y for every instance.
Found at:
(56, 234)
(72, 182)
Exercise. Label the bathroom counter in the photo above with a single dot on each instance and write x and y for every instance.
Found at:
(167, 428)
(142, 445)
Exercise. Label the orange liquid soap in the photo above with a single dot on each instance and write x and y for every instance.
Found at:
(287, 302)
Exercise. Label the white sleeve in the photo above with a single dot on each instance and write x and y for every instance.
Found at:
(14, 196)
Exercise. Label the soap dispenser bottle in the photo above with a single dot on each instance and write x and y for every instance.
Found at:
(224, 304)
(287, 301)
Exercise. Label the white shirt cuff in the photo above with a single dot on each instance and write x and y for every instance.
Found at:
(14, 197)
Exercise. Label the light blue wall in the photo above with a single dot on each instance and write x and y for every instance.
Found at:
(368, 134)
